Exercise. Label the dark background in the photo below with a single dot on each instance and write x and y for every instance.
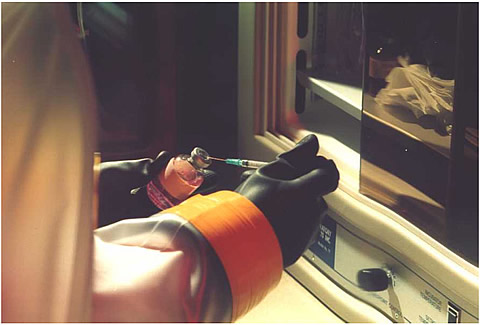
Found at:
(165, 76)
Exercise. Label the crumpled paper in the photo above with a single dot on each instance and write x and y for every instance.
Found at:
(413, 87)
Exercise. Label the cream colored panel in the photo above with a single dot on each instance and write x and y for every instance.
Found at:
(409, 299)
(347, 306)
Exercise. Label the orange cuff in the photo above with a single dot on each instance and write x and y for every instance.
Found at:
(244, 241)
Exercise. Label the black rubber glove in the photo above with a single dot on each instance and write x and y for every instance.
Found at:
(117, 201)
(289, 192)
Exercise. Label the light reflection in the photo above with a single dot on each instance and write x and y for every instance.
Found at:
(108, 21)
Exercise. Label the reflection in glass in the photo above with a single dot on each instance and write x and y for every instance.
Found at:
(338, 42)
(408, 111)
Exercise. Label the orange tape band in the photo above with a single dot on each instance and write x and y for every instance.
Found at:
(244, 241)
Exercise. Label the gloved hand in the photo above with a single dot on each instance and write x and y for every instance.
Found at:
(289, 192)
(122, 192)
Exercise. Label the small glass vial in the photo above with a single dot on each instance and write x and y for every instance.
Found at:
(180, 178)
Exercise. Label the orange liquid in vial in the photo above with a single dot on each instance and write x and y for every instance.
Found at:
(180, 178)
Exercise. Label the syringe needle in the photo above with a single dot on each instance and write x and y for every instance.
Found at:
(241, 162)
(219, 159)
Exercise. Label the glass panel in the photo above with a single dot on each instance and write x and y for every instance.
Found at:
(334, 75)
(338, 43)
(407, 119)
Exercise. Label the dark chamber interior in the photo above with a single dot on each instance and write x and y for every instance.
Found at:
(424, 168)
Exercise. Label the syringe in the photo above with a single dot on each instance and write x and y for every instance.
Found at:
(241, 162)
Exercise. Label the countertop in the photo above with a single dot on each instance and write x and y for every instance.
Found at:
(289, 302)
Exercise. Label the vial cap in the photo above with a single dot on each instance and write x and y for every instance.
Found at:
(200, 157)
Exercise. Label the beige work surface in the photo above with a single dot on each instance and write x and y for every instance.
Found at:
(289, 302)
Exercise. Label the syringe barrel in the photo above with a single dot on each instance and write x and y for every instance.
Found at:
(245, 163)
(254, 163)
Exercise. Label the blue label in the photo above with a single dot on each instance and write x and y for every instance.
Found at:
(324, 247)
